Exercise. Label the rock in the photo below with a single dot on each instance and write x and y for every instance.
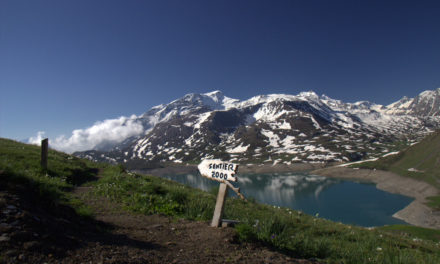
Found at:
(5, 228)
(15, 223)
(22, 236)
(30, 245)
(238, 257)
(11, 252)
(4, 238)
(158, 226)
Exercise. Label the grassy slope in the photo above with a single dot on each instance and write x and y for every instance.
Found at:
(424, 157)
(283, 229)
(20, 165)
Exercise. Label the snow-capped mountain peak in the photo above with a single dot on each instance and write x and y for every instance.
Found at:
(214, 100)
(216, 95)
(275, 127)
(310, 95)
(427, 103)
(404, 102)
(222, 101)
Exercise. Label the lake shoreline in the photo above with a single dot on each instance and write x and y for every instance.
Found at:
(416, 213)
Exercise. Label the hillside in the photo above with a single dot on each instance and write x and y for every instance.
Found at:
(274, 128)
(420, 161)
(78, 211)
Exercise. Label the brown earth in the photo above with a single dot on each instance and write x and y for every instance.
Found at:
(35, 231)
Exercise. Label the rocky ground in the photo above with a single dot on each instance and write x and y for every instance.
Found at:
(34, 231)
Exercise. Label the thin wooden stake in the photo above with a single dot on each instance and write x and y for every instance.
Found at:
(219, 205)
(44, 151)
(236, 190)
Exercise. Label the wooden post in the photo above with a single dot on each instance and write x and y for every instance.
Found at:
(219, 205)
(44, 151)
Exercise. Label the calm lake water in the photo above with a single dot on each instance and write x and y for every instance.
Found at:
(338, 200)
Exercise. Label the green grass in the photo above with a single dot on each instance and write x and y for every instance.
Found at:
(20, 166)
(152, 195)
(295, 233)
(413, 232)
(434, 202)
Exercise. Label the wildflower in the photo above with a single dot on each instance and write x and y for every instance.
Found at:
(273, 236)
(379, 249)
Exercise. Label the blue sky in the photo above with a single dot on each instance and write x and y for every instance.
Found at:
(67, 64)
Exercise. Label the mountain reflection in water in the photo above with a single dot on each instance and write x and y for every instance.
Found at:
(337, 200)
(284, 189)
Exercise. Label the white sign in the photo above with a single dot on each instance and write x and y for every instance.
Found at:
(218, 170)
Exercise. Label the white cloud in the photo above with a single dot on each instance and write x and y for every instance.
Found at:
(102, 133)
(37, 139)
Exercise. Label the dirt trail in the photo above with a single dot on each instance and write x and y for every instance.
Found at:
(32, 232)
(169, 240)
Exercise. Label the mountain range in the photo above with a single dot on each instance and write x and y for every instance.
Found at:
(275, 128)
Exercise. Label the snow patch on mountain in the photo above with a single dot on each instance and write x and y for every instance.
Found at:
(202, 119)
(276, 127)
(238, 149)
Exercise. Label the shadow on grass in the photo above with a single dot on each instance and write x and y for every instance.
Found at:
(78, 177)
(48, 227)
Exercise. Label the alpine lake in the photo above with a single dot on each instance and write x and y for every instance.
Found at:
(343, 201)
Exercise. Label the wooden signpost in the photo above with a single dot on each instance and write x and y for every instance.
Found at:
(44, 151)
(223, 172)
